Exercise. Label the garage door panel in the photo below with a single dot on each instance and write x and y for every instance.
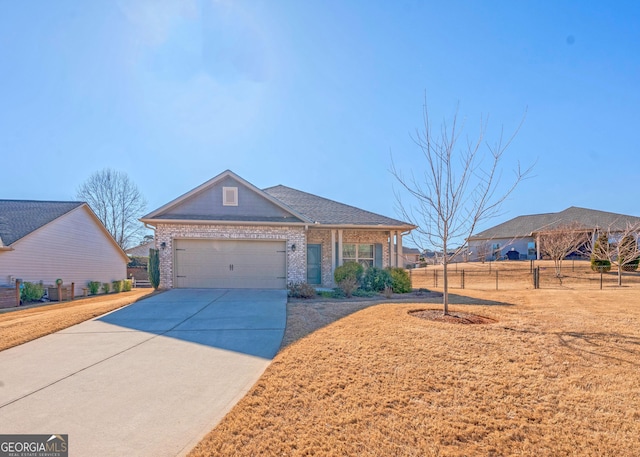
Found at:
(230, 264)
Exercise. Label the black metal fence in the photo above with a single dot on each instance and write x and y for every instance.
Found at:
(523, 275)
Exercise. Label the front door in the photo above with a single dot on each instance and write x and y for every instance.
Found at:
(314, 264)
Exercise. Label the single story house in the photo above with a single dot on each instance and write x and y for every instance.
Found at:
(227, 233)
(41, 241)
(410, 256)
(518, 238)
(142, 250)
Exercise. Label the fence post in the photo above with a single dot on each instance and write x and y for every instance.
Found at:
(435, 278)
(18, 292)
(73, 290)
(462, 279)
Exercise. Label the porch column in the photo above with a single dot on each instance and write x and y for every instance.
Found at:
(392, 249)
(333, 252)
(537, 247)
(340, 247)
(399, 262)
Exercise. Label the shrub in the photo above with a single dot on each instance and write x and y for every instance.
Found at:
(30, 291)
(94, 287)
(154, 268)
(364, 293)
(599, 261)
(348, 285)
(400, 280)
(127, 284)
(348, 270)
(301, 290)
(106, 287)
(138, 262)
(116, 286)
(376, 279)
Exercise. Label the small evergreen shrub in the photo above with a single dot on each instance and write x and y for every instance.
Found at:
(94, 287)
(632, 265)
(106, 287)
(599, 260)
(116, 286)
(400, 280)
(30, 292)
(376, 279)
(127, 284)
(351, 270)
(364, 293)
(301, 290)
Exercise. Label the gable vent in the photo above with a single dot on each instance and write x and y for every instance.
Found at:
(230, 196)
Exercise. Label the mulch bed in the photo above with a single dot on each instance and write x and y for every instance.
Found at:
(454, 317)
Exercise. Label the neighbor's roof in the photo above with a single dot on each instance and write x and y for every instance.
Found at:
(328, 212)
(18, 218)
(142, 250)
(523, 226)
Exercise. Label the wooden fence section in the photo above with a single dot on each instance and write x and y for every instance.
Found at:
(520, 275)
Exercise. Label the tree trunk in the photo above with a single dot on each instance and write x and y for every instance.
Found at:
(445, 286)
(619, 273)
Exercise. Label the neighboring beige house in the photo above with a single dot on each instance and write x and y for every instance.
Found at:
(518, 238)
(410, 256)
(45, 240)
(227, 233)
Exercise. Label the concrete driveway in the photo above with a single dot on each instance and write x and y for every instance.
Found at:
(150, 379)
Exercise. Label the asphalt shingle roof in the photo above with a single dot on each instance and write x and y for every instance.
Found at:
(18, 218)
(523, 226)
(328, 212)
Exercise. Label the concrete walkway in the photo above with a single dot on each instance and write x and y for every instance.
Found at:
(150, 379)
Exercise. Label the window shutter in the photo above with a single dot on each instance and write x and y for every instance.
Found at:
(377, 259)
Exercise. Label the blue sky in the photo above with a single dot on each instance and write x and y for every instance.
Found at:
(317, 95)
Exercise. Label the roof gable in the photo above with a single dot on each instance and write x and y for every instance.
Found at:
(18, 218)
(205, 203)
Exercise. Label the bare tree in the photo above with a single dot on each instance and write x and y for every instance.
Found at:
(117, 202)
(559, 242)
(456, 191)
(618, 245)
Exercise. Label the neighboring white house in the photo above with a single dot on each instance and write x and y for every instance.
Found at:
(41, 241)
(518, 238)
(228, 233)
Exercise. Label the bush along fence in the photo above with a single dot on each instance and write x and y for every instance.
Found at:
(25, 292)
(532, 275)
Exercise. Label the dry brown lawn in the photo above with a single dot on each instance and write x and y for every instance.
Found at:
(556, 374)
(21, 325)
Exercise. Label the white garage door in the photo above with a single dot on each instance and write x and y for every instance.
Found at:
(230, 264)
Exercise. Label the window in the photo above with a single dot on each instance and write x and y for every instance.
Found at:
(362, 253)
(230, 196)
(531, 249)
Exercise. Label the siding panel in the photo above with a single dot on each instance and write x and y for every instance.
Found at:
(72, 247)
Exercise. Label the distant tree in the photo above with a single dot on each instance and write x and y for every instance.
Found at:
(117, 202)
(559, 242)
(458, 188)
(483, 251)
(617, 246)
